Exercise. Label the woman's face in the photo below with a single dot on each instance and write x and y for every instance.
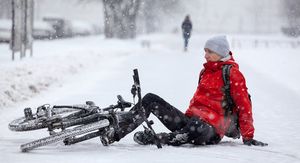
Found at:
(211, 56)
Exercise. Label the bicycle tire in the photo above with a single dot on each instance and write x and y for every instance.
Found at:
(22, 124)
(65, 134)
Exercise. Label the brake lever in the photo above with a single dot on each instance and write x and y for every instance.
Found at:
(133, 90)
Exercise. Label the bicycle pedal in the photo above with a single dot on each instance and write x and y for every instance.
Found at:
(104, 140)
(68, 141)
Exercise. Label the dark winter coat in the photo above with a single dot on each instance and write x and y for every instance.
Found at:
(207, 101)
(187, 28)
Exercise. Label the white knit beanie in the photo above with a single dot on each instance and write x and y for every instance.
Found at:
(218, 44)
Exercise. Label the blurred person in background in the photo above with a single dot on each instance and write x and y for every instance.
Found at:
(186, 27)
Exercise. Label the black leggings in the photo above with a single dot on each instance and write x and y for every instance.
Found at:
(198, 131)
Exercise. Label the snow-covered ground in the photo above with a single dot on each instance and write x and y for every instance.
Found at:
(93, 68)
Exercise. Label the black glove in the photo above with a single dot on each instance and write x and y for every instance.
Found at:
(254, 142)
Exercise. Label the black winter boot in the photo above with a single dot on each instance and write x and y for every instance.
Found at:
(145, 137)
(178, 138)
(174, 138)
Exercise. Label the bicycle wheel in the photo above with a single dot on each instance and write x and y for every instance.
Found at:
(64, 135)
(39, 122)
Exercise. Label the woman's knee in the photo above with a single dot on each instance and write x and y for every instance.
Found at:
(150, 98)
(152, 103)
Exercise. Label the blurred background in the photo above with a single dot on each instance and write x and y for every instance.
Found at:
(128, 18)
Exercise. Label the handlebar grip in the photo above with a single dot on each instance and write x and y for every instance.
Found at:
(124, 104)
(136, 77)
(120, 98)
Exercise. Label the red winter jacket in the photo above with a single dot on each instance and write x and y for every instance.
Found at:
(207, 101)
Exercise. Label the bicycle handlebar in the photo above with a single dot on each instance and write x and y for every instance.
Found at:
(122, 104)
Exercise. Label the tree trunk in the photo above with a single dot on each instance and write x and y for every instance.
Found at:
(120, 18)
(108, 20)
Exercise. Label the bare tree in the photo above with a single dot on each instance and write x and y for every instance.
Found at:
(108, 18)
(153, 12)
(120, 18)
(5, 9)
(292, 10)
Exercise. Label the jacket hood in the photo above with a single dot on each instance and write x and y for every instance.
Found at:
(215, 66)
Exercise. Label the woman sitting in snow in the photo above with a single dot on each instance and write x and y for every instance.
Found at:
(206, 120)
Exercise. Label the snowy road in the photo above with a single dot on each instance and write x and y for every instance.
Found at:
(166, 70)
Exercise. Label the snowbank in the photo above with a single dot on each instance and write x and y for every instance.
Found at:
(53, 62)
(28, 78)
